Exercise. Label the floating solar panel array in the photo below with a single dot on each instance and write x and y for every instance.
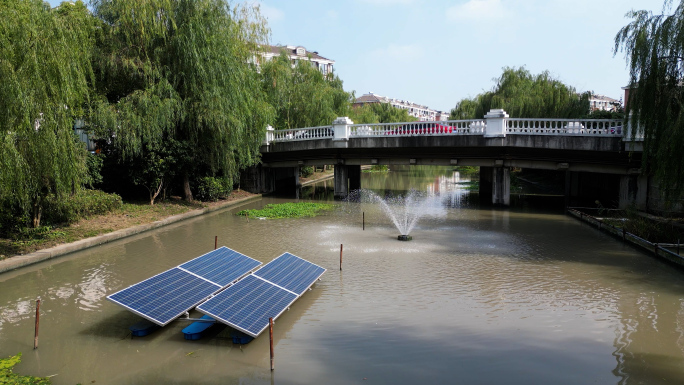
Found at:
(168, 295)
(267, 293)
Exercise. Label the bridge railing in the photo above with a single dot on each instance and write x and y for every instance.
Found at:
(450, 127)
(569, 127)
(497, 123)
(321, 132)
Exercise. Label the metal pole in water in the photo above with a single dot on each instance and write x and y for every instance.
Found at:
(364, 220)
(35, 336)
(270, 336)
(340, 257)
(215, 242)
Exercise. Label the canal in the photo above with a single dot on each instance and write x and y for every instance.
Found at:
(525, 295)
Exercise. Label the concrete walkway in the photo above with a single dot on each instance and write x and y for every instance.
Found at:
(18, 261)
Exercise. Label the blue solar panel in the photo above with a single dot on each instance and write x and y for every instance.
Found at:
(291, 272)
(222, 265)
(248, 304)
(166, 296)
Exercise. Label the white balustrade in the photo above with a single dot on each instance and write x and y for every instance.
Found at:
(439, 128)
(564, 127)
(508, 126)
(308, 133)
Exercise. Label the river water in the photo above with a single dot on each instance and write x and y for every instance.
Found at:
(525, 295)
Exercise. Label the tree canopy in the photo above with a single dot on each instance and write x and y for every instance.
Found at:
(380, 113)
(46, 73)
(654, 48)
(301, 95)
(181, 70)
(524, 95)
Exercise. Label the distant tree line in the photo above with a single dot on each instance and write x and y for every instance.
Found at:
(525, 95)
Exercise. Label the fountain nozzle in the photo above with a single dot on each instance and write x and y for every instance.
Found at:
(404, 237)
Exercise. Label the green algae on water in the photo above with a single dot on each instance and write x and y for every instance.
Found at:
(288, 210)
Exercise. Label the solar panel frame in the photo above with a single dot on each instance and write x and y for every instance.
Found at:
(165, 321)
(193, 277)
(209, 306)
(222, 252)
(275, 272)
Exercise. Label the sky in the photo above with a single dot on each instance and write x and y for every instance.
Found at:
(437, 52)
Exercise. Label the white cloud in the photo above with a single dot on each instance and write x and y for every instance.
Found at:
(271, 13)
(477, 10)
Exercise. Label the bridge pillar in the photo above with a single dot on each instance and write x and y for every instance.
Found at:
(341, 178)
(495, 186)
(633, 190)
(258, 179)
(354, 177)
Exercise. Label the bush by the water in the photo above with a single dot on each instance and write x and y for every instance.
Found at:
(83, 204)
(7, 376)
(212, 189)
(306, 171)
(287, 210)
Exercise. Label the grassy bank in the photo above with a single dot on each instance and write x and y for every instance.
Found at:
(129, 215)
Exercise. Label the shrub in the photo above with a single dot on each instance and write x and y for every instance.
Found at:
(83, 204)
(212, 189)
(306, 171)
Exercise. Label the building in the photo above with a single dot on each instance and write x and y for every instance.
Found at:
(604, 103)
(297, 53)
(423, 113)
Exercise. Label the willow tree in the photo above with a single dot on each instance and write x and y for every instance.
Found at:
(380, 113)
(654, 46)
(301, 95)
(181, 70)
(44, 83)
(524, 95)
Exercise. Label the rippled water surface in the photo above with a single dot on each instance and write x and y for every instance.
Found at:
(519, 296)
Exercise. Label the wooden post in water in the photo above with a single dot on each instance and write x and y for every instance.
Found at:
(341, 257)
(215, 242)
(364, 220)
(270, 336)
(35, 336)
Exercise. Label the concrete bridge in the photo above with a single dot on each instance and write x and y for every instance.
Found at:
(595, 154)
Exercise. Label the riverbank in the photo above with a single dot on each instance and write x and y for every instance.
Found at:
(131, 219)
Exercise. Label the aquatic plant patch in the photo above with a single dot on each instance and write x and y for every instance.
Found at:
(288, 210)
(7, 376)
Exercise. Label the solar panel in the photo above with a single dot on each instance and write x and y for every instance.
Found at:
(248, 304)
(291, 272)
(222, 265)
(165, 296)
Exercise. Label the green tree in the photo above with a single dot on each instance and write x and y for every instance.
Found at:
(524, 95)
(181, 70)
(45, 72)
(654, 47)
(301, 95)
(380, 113)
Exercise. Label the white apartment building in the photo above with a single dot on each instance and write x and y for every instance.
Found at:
(604, 103)
(423, 113)
(297, 53)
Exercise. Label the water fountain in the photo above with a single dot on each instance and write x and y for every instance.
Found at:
(403, 211)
